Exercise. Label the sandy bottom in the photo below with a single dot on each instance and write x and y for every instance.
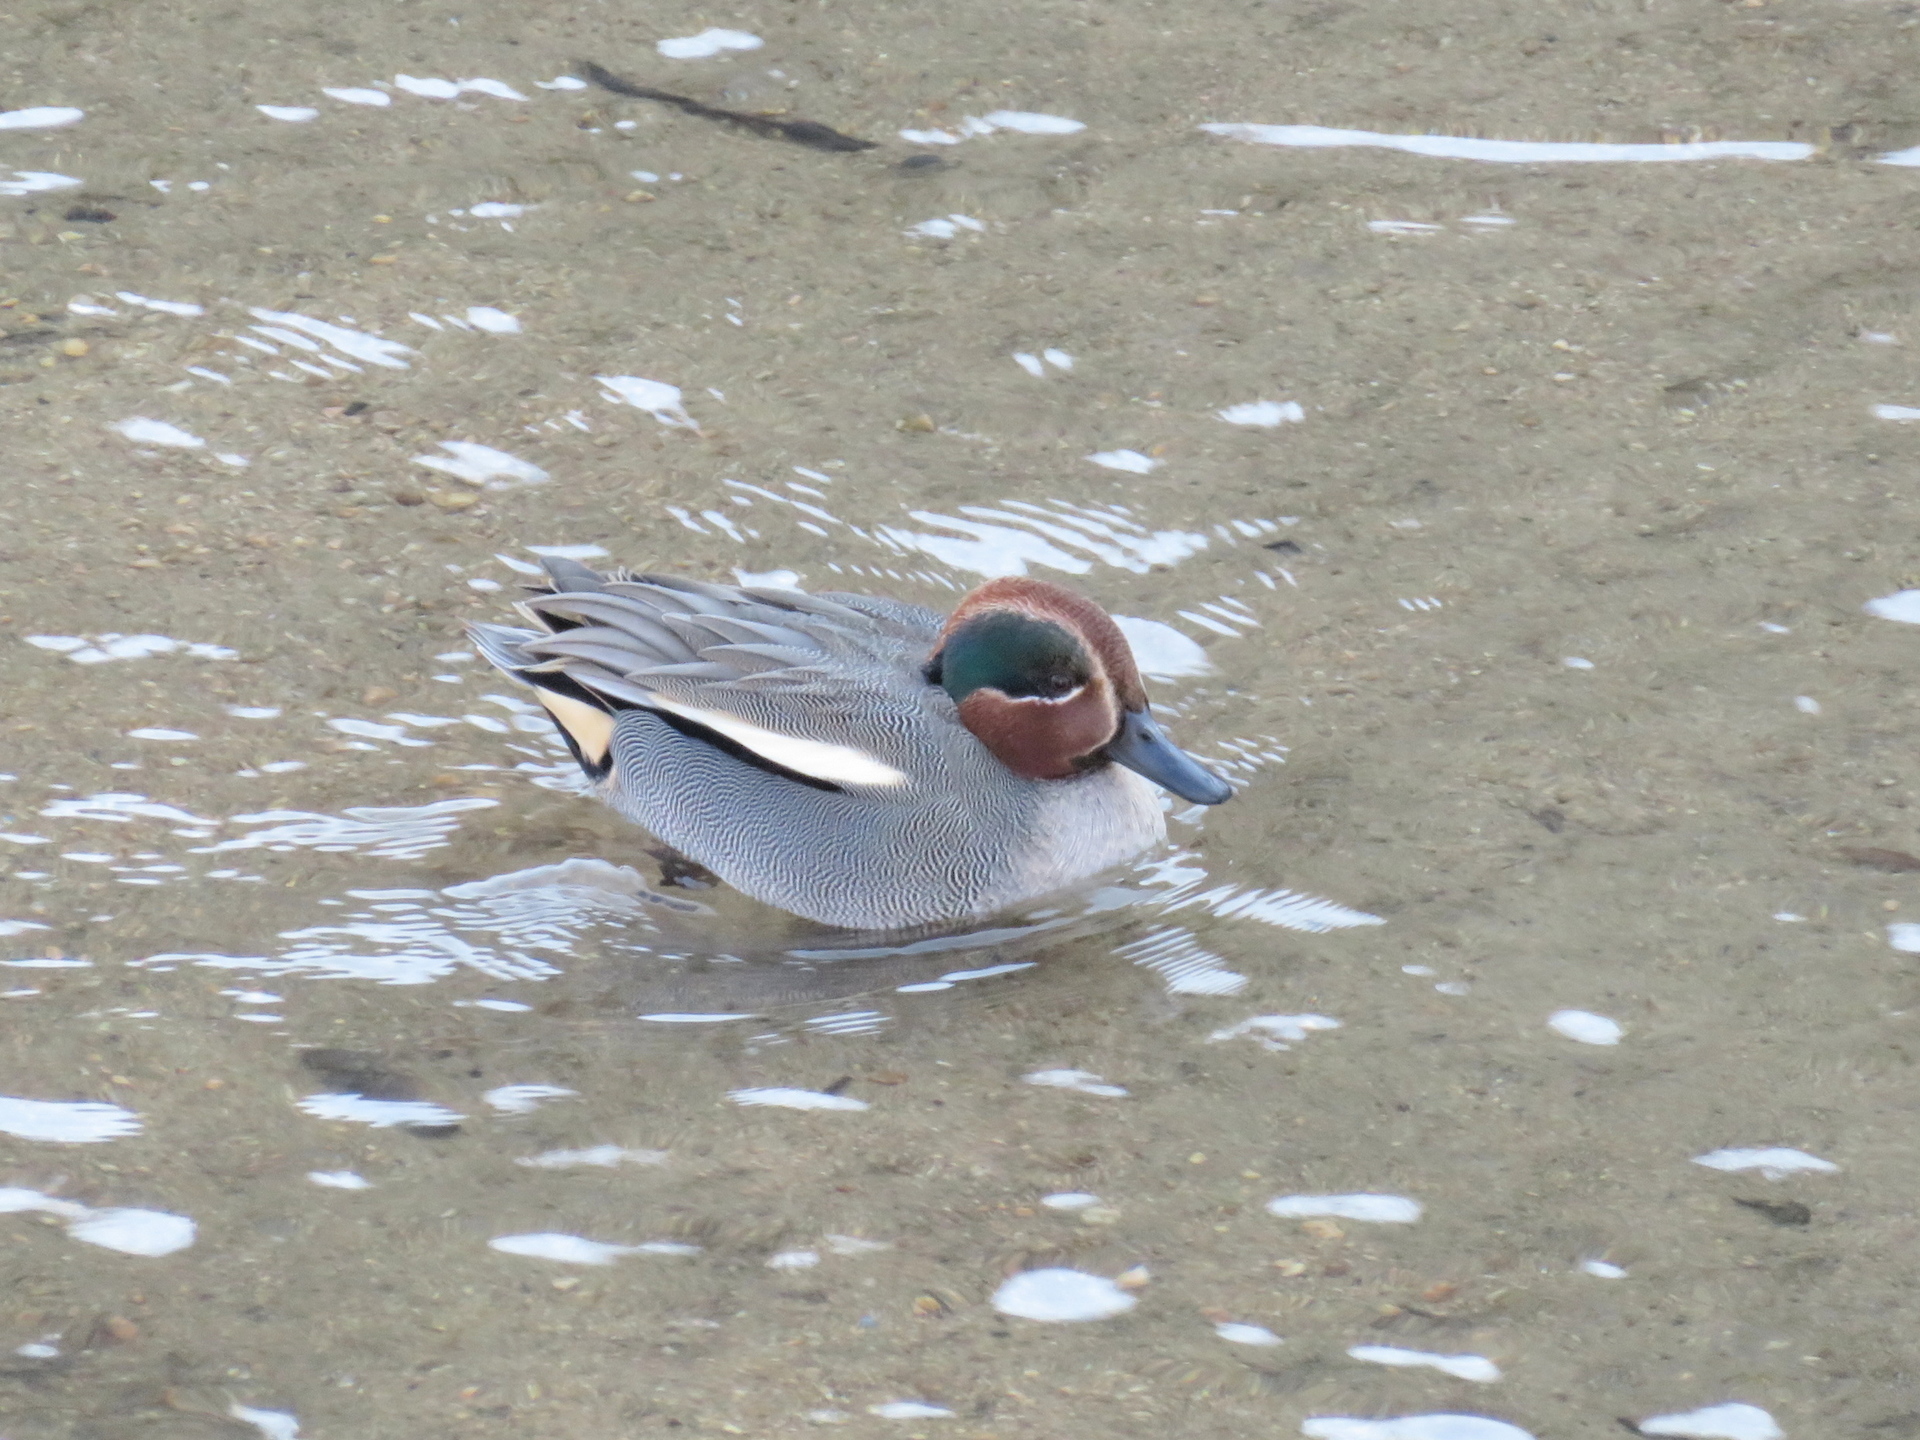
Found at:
(1525, 605)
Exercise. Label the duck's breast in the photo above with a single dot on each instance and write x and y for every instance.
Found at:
(1080, 827)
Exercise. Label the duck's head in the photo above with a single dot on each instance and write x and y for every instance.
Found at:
(1046, 681)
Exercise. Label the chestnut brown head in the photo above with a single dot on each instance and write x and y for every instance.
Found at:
(1046, 681)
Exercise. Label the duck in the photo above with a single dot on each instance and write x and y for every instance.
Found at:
(858, 761)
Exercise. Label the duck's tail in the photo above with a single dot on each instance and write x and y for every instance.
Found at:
(583, 718)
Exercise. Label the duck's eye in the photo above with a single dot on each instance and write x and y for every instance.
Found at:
(1056, 684)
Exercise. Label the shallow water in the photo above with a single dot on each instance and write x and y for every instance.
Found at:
(1528, 532)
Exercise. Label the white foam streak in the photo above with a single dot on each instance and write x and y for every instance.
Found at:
(1373, 1209)
(357, 95)
(1039, 535)
(98, 649)
(576, 1250)
(379, 1114)
(524, 1099)
(1773, 1162)
(143, 431)
(66, 1122)
(356, 343)
(40, 117)
(947, 228)
(1267, 413)
(1130, 461)
(1070, 1200)
(1586, 1027)
(1462, 1367)
(339, 1180)
(1241, 1334)
(486, 317)
(120, 809)
(1033, 122)
(374, 730)
(1276, 1032)
(1060, 1295)
(1288, 909)
(1412, 1427)
(134, 1232)
(656, 397)
(1179, 959)
(1716, 1422)
(787, 1098)
(131, 1232)
(695, 1017)
(33, 182)
(167, 307)
(708, 43)
(273, 1424)
(1902, 605)
(1509, 152)
(1083, 1081)
(484, 466)
(604, 1156)
(1162, 652)
(436, 89)
(1021, 122)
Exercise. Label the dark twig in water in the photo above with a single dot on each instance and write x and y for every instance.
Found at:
(802, 132)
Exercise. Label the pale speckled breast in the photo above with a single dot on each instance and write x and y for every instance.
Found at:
(1079, 828)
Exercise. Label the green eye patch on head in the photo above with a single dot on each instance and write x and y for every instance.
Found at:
(1019, 656)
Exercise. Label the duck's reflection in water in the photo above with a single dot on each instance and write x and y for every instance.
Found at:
(676, 960)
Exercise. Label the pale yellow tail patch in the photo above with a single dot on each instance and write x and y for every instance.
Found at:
(837, 764)
(589, 725)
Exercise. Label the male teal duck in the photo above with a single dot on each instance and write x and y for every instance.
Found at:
(856, 760)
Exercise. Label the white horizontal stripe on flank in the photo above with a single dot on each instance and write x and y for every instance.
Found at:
(840, 764)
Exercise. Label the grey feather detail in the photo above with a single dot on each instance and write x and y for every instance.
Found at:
(687, 670)
(670, 599)
(836, 857)
(820, 607)
(909, 622)
(640, 627)
(756, 661)
(780, 679)
(570, 574)
(600, 645)
(593, 678)
(733, 628)
(500, 645)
